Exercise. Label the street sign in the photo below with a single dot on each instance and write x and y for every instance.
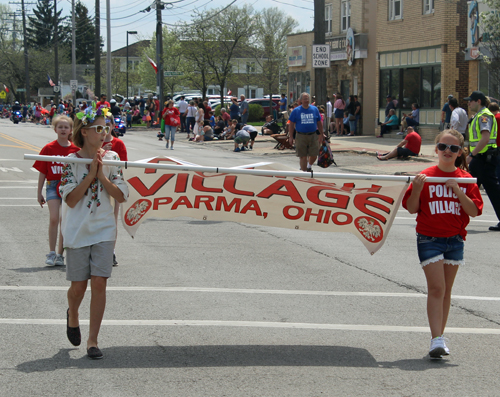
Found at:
(170, 74)
(21, 90)
(73, 84)
(3, 95)
(321, 56)
(57, 88)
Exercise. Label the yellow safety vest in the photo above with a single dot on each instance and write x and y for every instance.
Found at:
(475, 131)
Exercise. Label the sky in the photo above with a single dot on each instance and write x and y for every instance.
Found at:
(126, 15)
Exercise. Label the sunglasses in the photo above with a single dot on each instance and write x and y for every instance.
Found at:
(453, 148)
(99, 129)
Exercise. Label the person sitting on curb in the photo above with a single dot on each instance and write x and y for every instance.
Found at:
(243, 137)
(271, 127)
(391, 121)
(409, 146)
(231, 130)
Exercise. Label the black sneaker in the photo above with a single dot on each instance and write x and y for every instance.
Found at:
(495, 228)
(115, 262)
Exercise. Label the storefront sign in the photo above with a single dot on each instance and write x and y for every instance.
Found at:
(297, 56)
(338, 44)
(474, 53)
(321, 56)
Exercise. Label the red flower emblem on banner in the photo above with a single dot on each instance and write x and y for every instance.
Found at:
(137, 211)
(369, 228)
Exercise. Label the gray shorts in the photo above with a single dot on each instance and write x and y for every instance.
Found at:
(94, 260)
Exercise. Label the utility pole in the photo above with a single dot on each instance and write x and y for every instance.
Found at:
(319, 38)
(26, 60)
(56, 55)
(159, 54)
(108, 53)
(97, 49)
(73, 48)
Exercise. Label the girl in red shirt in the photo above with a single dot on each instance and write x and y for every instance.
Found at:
(113, 143)
(171, 119)
(443, 213)
(51, 171)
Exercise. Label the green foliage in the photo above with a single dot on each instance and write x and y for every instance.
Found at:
(40, 30)
(85, 34)
(217, 111)
(256, 112)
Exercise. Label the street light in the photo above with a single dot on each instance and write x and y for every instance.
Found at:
(128, 32)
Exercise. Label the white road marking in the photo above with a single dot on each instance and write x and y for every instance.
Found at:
(256, 324)
(25, 181)
(18, 187)
(17, 198)
(249, 291)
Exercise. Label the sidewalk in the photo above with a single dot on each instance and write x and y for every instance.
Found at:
(352, 144)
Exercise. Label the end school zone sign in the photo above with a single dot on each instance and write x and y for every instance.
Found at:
(321, 56)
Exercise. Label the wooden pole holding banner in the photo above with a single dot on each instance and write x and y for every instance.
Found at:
(221, 170)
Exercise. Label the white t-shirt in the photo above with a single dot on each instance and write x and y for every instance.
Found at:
(459, 120)
(92, 220)
(183, 105)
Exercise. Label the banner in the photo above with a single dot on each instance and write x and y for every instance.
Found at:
(363, 207)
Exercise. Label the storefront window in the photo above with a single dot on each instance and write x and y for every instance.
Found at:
(411, 87)
(389, 85)
(489, 82)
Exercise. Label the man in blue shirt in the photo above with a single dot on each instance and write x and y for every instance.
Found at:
(446, 114)
(282, 103)
(306, 120)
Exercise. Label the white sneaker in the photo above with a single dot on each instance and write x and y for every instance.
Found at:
(59, 260)
(51, 258)
(446, 350)
(437, 349)
(400, 133)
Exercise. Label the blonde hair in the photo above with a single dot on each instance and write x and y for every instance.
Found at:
(60, 118)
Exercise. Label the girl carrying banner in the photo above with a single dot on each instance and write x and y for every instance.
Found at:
(443, 213)
(88, 225)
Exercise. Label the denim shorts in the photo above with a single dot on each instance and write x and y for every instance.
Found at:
(433, 249)
(51, 191)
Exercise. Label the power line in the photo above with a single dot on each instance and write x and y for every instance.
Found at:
(293, 5)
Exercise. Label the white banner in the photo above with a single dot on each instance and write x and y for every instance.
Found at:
(267, 194)
(362, 207)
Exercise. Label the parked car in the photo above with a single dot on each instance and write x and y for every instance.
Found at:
(265, 105)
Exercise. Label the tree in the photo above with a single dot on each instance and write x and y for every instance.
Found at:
(490, 22)
(172, 61)
(85, 34)
(40, 30)
(273, 27)
(225, 30)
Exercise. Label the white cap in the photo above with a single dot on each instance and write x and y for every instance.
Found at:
(155, 97)
(112, 101)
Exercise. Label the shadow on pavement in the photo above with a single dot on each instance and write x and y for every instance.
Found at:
(207, 356)
(418, 364)
(40, 268)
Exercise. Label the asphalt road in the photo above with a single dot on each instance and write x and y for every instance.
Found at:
(226, 309)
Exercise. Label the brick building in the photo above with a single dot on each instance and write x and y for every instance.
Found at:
(420, 46)
(349, 77)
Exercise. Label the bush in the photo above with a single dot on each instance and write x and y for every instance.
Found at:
(256, 112)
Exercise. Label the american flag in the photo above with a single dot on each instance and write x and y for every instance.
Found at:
(50, 81)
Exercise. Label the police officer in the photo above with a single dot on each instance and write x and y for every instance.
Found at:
(115, 110)
(483, 152)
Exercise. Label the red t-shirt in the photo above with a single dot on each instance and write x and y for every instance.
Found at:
(119, 148)
(440, 213)
(497, 117)
(226, 117)
(208, 109)
(105, 104)
(53, 170)
(171, 116)
(414, 141)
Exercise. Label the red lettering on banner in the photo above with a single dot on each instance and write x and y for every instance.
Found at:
(327, 216)
(157, 161)
(161, 201)
(309, 214)
(286, 212)
(342, 201)
(229, 186)
(290, 191)
(252, 205)
(362, 200)
(204, 200)
(183, 200)
(335, 218)
(181, 183)
(372, 189)
(221, 201)
(197, 184)
(138, 185)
